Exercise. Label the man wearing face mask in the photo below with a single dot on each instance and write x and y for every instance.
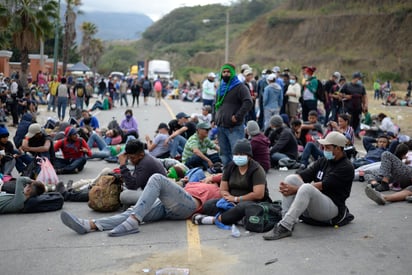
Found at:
(356, 101)
(209, 90)
(89, 120)
(233, 102)
(319, 192)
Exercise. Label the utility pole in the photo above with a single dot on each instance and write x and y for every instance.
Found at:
(227, 38)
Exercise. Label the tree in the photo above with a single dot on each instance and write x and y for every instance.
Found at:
(28, 21)
(96, 52)
(69, 29)
(89, 30)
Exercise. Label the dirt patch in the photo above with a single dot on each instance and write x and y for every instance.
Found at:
(206, 261)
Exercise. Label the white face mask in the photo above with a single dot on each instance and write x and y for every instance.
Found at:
(240, 160)
(292, 81)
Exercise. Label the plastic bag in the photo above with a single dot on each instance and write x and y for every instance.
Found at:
(47, 173)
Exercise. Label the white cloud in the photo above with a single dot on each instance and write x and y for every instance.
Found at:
(154, 9)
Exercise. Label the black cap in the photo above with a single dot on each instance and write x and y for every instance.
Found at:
(182, 115)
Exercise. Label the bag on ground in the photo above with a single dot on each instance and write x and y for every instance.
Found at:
(261, 217)
(47, 173)
(46, 202)
(104, 196)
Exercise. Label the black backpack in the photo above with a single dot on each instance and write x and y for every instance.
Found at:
(46, 202)
(146, 85)
(321, 92)
(263, 216)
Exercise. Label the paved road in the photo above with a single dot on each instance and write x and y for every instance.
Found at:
(377, 242)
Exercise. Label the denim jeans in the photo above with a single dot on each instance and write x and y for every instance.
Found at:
(61, 106)
(177, 145)
(69, 165)
(104, 149)
(310, 150)
(195, 161)
(309, 201)
(79, 102)
(52, 103)
(160, 199)
(227, 139)
(123, 97)
(275, 157)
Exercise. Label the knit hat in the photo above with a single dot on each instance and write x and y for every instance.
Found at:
(276, 121)
(3, 132)
(70, 131)
(252, 128)
(34, 129)
(242, 146)
(177, 172)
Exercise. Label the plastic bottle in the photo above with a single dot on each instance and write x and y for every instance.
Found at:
(235, 231)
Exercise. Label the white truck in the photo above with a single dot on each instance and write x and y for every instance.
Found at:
(160, 68)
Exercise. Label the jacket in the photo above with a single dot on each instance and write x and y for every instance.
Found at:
(285, 143)
(237, 102)
(260, 149)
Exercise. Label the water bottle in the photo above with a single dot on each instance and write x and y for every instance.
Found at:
(235, 231)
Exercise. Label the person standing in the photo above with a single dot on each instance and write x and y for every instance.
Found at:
(293, 93)
(272, 99)
(147, 88)
(123, 92)
(53, 85)
(310, 85)
(79, 91)
(102, 88)
(356, 100)
(62, 99)
(233, 102)
(209, 90)
(135, 92)
(376, 89)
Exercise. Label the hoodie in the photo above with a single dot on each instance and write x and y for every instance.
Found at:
(260, 149)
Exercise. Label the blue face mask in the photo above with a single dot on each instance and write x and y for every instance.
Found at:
(328, 155)
(359, 82)
(240, 160)
(292, 81)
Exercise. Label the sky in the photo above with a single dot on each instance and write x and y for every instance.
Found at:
(155, 9)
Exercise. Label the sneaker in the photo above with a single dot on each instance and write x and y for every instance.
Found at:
(374, 195)
(78, 225)
(409, 199)
(197, 218)
(383, 186)
(277, 233)
(125, 228)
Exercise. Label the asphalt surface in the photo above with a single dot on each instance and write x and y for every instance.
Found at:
(376, 242)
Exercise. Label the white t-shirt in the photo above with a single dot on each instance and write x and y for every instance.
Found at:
(208, 90)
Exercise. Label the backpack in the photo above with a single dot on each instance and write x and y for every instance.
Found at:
(80, 91)
(158, 86)
(321, 92)
(104, 196)
(340, 220)
(146, 85)
(46, 202)
(262, 217)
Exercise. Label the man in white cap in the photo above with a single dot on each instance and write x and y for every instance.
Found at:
(209, 90)
(243, 68)
(319, 192)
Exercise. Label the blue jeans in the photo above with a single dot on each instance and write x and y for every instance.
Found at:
(160, 199)
(208, 102)
(61, 106)
(79, 102)
(275, 157)
(177, 145)
(310, 150)
(67, 166)
(52, 103)
(101, 144)
(195, 161)
(227, 139)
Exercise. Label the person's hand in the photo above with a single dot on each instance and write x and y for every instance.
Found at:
(122, 159)
(234, 120)
(209, 163)
(287, 189)
(84, 150)
(147, 138)
(229, 197)
(167, 141)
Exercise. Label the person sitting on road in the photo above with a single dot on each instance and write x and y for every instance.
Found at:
(180, 133)
(74, 149)
(394, 168)
(144, 164)
(89, 120)
(157, 146)
(260, 145)
(38, 144)
(319, 192)
(129, 125)
(25, 189)
(75, 115)
(381, 199)
(310, 130)
(158, 201)
(7, 151)
(105, 151)
(195, 150)
(283, 142)
(243, 183)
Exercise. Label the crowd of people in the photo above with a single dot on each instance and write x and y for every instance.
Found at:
(230, 141)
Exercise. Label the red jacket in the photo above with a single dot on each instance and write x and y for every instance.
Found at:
(72, 150)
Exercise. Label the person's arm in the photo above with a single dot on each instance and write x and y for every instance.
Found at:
(368, 143)
(176, 133)
(25, 146)
(150, 144)
(247, 103)
(85, 148)
(281, 143)
(364, 101)
(199, 153)
(257, 194)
